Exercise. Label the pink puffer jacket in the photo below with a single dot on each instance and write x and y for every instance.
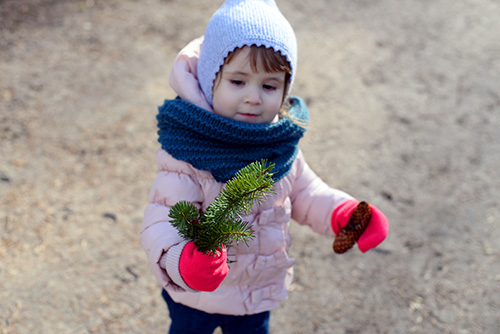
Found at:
(261, 273)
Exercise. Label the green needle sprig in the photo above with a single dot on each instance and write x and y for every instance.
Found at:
(221, 223)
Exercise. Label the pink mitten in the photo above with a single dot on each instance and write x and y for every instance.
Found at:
(375, 232)
(183, 78)
(200, 271)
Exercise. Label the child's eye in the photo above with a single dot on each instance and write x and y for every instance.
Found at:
(269, 87)
(237, 82)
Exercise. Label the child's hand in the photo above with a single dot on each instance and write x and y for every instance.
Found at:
(200, 271)
(375, 232)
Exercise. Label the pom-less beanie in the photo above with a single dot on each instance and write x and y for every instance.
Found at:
(243, 22)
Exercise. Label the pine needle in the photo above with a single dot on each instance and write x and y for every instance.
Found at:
(221, 224)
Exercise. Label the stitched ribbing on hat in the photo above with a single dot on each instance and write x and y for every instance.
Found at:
(223, 146)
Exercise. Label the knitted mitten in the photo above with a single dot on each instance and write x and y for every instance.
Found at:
(202, 272)
(375, 232)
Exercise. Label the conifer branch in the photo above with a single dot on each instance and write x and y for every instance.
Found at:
(221, 223)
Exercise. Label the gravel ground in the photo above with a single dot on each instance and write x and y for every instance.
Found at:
(405, 104)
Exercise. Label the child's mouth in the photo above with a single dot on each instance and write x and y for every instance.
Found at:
(249, 115)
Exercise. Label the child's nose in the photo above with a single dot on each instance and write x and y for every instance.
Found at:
(253, 95)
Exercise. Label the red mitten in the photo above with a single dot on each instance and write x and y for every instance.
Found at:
(375, 232)
(203, 272)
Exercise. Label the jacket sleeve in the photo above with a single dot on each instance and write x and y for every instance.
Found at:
(157, 234)
(313, 201)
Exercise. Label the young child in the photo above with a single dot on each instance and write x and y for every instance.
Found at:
(233, 110)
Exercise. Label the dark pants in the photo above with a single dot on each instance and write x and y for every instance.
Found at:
(186, 320)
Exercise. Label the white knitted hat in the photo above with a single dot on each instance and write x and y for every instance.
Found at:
(243, 22)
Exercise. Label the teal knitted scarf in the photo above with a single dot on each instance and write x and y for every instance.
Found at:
(223, 146)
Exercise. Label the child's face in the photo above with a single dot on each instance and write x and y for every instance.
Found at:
(248, 96)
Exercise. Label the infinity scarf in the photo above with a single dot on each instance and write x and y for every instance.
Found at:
(223, 146)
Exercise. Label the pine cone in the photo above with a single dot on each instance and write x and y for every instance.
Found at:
(357, 224)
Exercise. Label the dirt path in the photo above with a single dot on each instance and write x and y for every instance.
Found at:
(405, 102)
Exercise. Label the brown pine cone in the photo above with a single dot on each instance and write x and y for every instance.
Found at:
(350, 234)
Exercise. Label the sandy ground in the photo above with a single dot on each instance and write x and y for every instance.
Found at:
(405, 102)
